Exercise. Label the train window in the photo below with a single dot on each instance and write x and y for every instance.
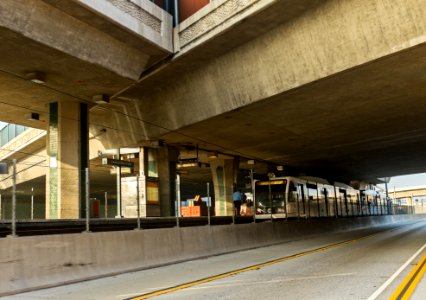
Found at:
(312, 191)
(270, 196)
(278, 191)
(311, 186)
(262, 193)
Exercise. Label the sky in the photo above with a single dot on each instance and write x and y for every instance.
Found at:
(407, 181)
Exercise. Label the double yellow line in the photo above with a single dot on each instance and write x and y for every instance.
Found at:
(251, 268)
(410, 283)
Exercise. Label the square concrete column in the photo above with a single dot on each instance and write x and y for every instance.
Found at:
(156, 185)
(166, 161)
(67, 156)
(133, 187)
(223, 173)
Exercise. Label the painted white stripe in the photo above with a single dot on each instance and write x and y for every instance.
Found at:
(392, 278)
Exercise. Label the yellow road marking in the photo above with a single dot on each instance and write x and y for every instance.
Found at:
(251, 268)
(410, 283)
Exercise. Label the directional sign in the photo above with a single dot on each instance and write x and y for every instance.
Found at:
(117, 162)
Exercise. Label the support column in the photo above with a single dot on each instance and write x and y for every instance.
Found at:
(157, 184)
(67, 151)
(166, 161)
(134, 187)
(223, 173)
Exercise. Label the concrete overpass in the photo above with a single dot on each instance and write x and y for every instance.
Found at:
(321, 87)
(414, 196)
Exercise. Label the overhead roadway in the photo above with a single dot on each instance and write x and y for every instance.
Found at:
(321, 87)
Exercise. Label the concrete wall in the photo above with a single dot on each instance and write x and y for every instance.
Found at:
(41, 261)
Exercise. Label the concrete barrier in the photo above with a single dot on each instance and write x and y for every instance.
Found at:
(29, 263)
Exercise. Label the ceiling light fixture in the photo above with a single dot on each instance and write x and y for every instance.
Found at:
(101, 99)
(36, 77)
(213, 155)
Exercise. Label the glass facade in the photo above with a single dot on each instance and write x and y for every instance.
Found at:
(9, 132)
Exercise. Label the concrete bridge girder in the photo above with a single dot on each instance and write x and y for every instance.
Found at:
(343, 82)
(79, 46)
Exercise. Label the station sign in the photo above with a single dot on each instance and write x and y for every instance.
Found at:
(187, 163)
(117, 162)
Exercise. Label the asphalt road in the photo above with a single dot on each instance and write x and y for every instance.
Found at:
(361, 264)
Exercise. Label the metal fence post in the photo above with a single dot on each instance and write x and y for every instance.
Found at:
(87, 200)
(14, 200)
(208, 203)
(106, 205)
(178, 200)
(138, 202)
(32, 203)
(253, 204)
(233, 212)
(118, 178)
(298, 206)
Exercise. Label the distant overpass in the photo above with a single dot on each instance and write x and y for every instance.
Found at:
(415, 196)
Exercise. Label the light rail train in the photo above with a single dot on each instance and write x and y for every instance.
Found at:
(287, 197)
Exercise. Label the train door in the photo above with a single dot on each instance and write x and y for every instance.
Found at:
(363, 203)
(331, 201)
(321, 200)
(349, 203)
(301, 191)
(292, 200)
(312, 199)
(342, 202)
(296, 206)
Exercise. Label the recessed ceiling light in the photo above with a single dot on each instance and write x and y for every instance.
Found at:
(32, 116)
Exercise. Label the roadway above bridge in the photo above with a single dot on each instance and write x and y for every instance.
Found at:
(320, 87)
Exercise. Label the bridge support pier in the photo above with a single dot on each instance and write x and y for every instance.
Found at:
(224, 177)
(67, 157)
(156, 186)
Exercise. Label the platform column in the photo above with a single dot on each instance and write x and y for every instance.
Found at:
(224, 178)
(166, 159)
(67, 157)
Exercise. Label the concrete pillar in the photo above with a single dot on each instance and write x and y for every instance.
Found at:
(224, 177)
(130, 186)
(67, 156)
(166, 161)
(157, 184)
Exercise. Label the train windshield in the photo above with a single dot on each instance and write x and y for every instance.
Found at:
(270, 196)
